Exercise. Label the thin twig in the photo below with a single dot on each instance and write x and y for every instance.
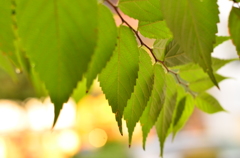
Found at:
(135, 31)
(150, 49)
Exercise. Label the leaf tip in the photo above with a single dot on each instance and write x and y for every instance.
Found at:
(120, 130)
(56, 115)
(212, 77)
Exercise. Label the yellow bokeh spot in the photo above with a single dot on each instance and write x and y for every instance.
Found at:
(2, 148)
(97, 137)
(69, 141)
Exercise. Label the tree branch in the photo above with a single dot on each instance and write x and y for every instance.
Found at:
(150, 49)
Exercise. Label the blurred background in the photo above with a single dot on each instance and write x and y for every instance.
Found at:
(87, 128)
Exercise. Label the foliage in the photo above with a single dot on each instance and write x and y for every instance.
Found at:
(62, 46)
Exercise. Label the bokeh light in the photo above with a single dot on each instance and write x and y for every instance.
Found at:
(69, 141)
(97, 137)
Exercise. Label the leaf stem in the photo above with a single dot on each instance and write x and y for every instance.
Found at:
(135, 31)
(150, 49)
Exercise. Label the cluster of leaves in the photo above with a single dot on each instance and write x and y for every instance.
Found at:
(64, 44)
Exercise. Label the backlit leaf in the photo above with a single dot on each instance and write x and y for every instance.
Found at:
(155, 30)
(234, 27)
(193, 24)
(107, 35)
(208, 103)
(155, 103)
(145, 10)
(59, 37)
(119, 77)
(141, 94)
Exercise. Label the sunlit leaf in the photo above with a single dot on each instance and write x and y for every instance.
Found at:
(145, 10)
(166, 116)
(155, 30)
(107, 36)
(141, 94)
(155, 103)
(119, 77)
(208, 103)
(59, 38)
(234, 27)
(193, 24)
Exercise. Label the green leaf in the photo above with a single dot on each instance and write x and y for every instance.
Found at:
(119, 77)
(203, 84)
(187, 70)
(159, 47)
(38, 85)
(193, 24)
(184, 110)
(198, 80)
(174, 55)
(142, 92)
(7, 37)
(208, 104)
(145, 10)
(234, 27)
(220, 40)
(107, 37)
(165, 119)
(155, 30)
(6, 65)
(80, 90)
(59, 37)
(218, 63)
(155, 103)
